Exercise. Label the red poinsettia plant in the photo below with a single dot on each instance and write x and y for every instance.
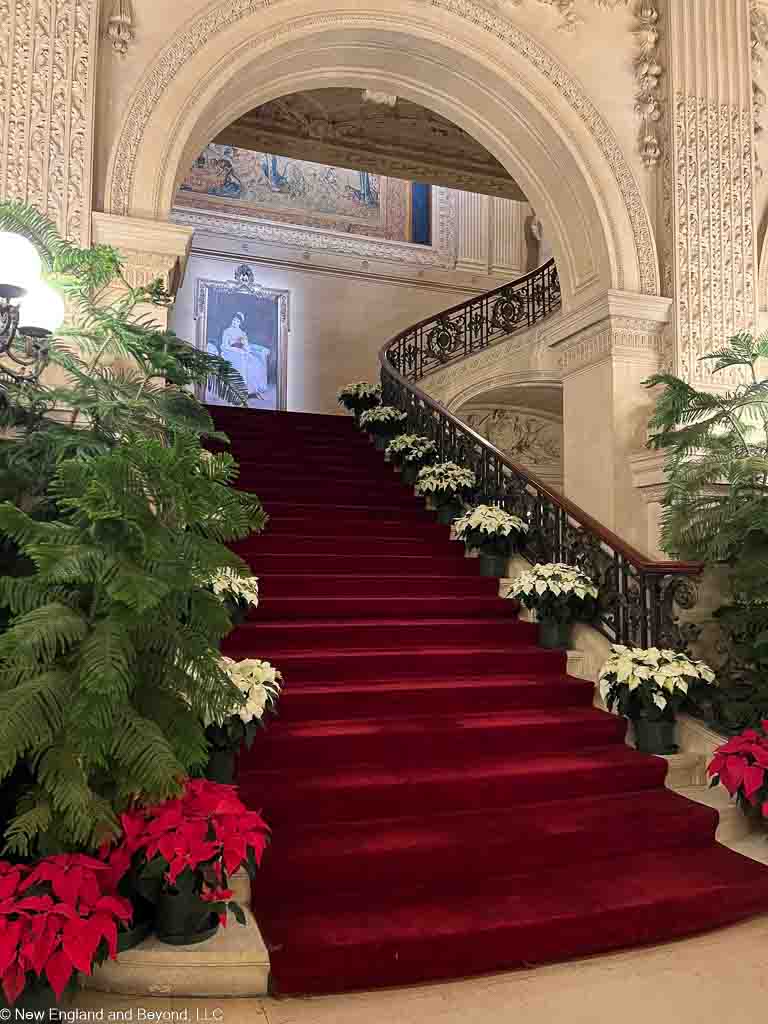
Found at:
(191, 844)
(57, 917)
(741, 765)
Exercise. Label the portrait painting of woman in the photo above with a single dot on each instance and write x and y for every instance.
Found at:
(246, 325)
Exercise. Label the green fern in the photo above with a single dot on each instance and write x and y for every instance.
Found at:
(112, 517)
(715, 508)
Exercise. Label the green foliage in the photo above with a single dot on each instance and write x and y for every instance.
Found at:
(113, 517)
(715, 509)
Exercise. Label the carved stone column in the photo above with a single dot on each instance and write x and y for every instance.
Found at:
(150, 249)
(47, 66)
(709, 214)
(605, 352)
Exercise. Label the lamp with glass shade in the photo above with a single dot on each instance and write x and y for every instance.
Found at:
(30, 310)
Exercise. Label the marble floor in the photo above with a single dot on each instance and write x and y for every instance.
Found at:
(718, 978)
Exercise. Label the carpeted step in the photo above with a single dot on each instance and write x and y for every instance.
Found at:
(343, 564)
(408, 739)
(355, 524)
(372, 790)
(300, 586)
(357, 510)
(341, 666)
(314, 866)
(352, 604)
(386, 634)
(529, 919)
(372, 548)
(308, 701)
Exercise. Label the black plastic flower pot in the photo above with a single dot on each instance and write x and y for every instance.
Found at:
(410, 472)
(449, 511)
(221, 767)
(238, 611)
(37, 998)
(183, 919)
(493, 565)
(554, 635)
(655, 737)
(129, 938)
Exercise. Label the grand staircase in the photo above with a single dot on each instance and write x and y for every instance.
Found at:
(444, 799)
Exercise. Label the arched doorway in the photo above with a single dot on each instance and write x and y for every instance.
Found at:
(494, 82)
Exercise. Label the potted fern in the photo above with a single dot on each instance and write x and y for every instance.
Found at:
(358, 398)
(446, 484)
(383, 423)
(259, 685)
(715, 509)
(649, 686)
(493, 531)
(560, 595)
(113, 523)
(411, 452)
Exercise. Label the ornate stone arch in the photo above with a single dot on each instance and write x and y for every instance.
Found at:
(453, 56)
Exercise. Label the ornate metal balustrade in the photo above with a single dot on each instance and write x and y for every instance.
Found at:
(640, 599)
(474, 325)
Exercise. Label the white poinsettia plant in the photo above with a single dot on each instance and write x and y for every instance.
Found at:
(383, 419)
(259, 684)
(650, 683)
(556, 592)
(236, 590)
(445, 480)
(360, 396)
(491, 528)
(412, 448)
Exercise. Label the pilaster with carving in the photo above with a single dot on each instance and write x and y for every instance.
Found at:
(712, 167)
(47, 64)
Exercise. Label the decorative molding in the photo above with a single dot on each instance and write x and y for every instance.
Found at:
(625, 339)
(120, 26)
(714, 234)
(648, 72)
(183, 48)
(758, 27)
(150, 248)
(441, 254)
(47, 65)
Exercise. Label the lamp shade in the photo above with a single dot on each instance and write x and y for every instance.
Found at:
(41, 308)
(19, 261)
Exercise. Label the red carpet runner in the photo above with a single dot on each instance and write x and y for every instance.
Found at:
(445, 801)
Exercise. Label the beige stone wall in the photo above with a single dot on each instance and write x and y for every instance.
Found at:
(338, 321)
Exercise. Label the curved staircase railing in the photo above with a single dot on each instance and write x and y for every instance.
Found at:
(640, 598)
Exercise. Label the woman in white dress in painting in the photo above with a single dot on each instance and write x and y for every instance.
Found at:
(250, 361)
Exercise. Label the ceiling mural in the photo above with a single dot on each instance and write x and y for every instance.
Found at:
(228, 179)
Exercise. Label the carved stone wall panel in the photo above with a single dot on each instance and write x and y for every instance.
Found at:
(713, 227)
(47, 62)
(619, 339)
(525, 435)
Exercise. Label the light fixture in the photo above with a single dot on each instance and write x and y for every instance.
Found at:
(30, 311)
(41, 309)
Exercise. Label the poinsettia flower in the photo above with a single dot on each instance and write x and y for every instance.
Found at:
(14, 979)
(58, 971)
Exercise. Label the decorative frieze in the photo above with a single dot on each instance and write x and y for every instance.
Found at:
(47, 63)
(624, 339)
(441, 254)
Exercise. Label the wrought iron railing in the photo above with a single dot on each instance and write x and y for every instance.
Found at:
(640, 599)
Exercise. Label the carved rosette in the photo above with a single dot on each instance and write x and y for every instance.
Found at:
(46, 60)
